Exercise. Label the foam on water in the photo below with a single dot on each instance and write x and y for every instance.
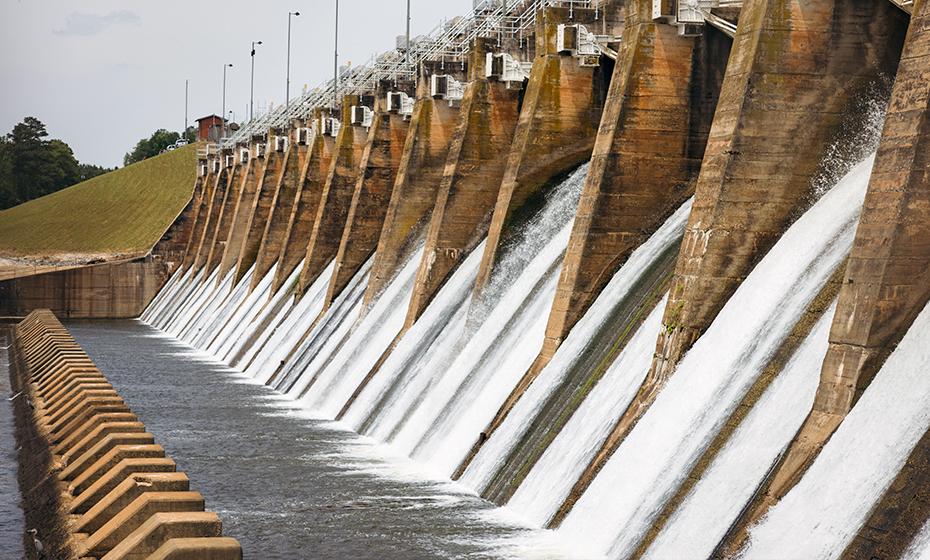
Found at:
(821, 515)
(650, 464)
(728, 484)
(520, 419)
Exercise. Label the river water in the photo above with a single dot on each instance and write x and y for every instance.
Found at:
(11, 515)
(286, 485)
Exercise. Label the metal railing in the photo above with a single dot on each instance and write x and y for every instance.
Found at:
(447, 41)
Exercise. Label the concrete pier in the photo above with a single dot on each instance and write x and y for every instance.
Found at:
(472, 177)
(795, 78)
(418, 177)
(217, 236)
(288, 185)
(266, 192)
(248, 191)
(306, 204)
(887, 282)
(377, 174)
(558, 122)
(337, 193)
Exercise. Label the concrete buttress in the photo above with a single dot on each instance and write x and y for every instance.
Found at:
(373, 188)
(471, 180)
(266, 192)
(887, 281)
(414, 195)
(281, 207)
(336, 196)
(795, 84)
(307, 200)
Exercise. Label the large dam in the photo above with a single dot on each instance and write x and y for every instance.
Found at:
(625, 279)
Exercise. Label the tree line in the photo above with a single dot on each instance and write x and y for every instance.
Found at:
(32, 165)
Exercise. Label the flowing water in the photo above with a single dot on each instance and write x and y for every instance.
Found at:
(526, 414)
(730, 481)
(831, 502)
(310, 486)
(12, 521)
(650, 464)
(285, 485)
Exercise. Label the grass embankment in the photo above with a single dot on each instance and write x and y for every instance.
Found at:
(120, 214)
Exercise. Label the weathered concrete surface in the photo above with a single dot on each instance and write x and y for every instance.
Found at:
(281, 208)
(266, 192)
(125, 493)
(104, 291)
(377, 174)
(791, 85)
(217, 232)
(475, 166)
(217, 198)
(887, 280)
(307, 201)
(198, 232)
(135, 514)
(162, 527)
(646, 158)
(174, 243)
(336, 196)
(242, 212)
(558, 124)
(795, 79)
(418, 177)
(204, 548)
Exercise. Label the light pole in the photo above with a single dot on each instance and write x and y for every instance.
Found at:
(407, 44)
(252, 85)
(287, 93)
(223, 113)
(336, 62)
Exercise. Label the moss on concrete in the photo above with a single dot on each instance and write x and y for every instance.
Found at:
(122, 213)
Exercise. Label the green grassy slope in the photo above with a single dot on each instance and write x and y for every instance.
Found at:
(123, 212)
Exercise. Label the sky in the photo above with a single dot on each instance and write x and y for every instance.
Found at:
(102, 74)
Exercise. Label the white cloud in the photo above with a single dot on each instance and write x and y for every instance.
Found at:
(81, 24)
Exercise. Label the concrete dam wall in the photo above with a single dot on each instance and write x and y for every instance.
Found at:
(651, 275)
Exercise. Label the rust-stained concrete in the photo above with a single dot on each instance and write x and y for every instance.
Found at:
(887, 281)
(266, 192)
(418, 177)
(376, 176)
(307, 201)
(242, 209)
(470, 183)
(288, 183)
(557, 127)
(336, 196)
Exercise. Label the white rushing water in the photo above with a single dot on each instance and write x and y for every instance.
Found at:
(728, 484)
(418, 357)
(447, 420)
(549, 482)
(291, 327)
(196, 298)
(495, 450)
(207, 310)
(820, 516)
(337, 378)
(324, 337)
(650, 464)
(192, 281)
